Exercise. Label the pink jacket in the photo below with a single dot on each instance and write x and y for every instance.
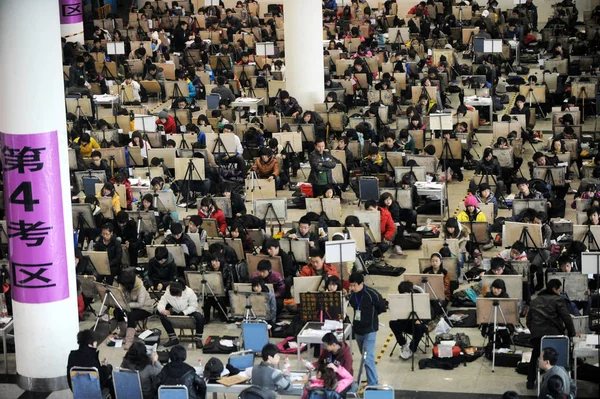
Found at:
(344, 382)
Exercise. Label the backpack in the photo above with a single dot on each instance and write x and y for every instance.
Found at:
(213, 344)
(322, 393)
(241, 272)
(257, 392)
(412, 241)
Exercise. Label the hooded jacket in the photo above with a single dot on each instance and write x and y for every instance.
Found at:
(192, 253)
(181, 373)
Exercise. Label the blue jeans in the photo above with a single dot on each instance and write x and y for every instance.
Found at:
(367, 343)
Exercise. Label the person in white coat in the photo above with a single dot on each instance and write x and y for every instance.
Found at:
(180, 300)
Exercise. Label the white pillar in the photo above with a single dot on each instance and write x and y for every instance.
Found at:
(36, 176)
(304, 51)
(71, 20)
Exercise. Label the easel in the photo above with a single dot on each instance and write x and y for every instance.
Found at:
(270, 207)
(206, 284)
(497, 308)
(591, 239)
(81, 115)
(413, 318)
(526, 239)
(249, 312)
(424, 280)
(345, 252)
(531, 94)
(189, 179)
(108, 294)
(487, 176)
(291, 153)
(445, 155)
(253, 182)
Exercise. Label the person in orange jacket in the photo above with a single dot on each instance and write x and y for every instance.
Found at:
(317, 266)
(387, 226)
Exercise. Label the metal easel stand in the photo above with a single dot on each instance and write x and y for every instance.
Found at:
(205, 285)
(537, 103)
(497, 308)
(253, 182)
(188, 179)
(249, 312)
(424, 280)
(108, 293)
(291, 153)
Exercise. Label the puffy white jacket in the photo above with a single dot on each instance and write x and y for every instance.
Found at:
(187, 303)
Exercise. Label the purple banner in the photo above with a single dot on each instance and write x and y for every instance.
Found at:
(71, 12)
(34, 217)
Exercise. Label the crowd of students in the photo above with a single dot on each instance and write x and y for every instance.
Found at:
(367, 139)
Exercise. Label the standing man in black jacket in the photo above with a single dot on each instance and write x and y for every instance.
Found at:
(321, 167)
(368, 304)
(548, 315)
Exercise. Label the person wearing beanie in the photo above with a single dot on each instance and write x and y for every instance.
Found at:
(267, 167)
(471, 213)
(178, 237)
(521, 108)
(167, 121)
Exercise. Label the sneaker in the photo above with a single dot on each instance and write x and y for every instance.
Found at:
(171, 342)
(397, 249)
(406, 353)
(199, 344)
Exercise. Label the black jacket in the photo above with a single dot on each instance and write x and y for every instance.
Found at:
(548, 315)
(238, 205)
(180, 36)
(328, 164)
(103, 166)
(162, 273)
(87, 357)
(182, 374)
(289, 108)
(191, 257)
(489, 167)
(371, 304)
(115, 253)
(127, 233)
(289, 270)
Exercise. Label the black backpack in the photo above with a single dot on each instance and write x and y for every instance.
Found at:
(257, 392)
(322, 393)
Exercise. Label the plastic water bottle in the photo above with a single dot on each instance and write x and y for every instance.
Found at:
(200, 370)
(286, 364)
(307, 364)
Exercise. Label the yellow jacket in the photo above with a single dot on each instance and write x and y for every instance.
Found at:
(116, 202)
(463, 217)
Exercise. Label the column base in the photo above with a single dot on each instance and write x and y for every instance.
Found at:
(42, 384)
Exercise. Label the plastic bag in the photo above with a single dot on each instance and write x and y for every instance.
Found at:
(442, 327)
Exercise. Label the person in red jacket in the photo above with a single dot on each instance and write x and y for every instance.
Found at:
(166, 120)
(387, 226)
(421, 6)
(318, 267)
(209, 209)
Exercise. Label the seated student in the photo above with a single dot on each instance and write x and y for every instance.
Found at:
(490, 169)
(503, 332)
(508, 174)
(267, 167)
(389, 143)
(471, 213)
(565, 265)
(267, 373)
(318, 267)
(437, 267)
(353, 221)
(303, 231)
(224, 251)
(87, 356)
(238, 231)
(498, 267)
(453, 229)
(209, 209)
(126, 231)
(87, 144)
(259, 286)
(108, 242)
(222, 90)
(415, 123)
(238, 204)
(161, 269)
(148, 366)
(334, 352)
(387, 226)
(178, 372)
(288, 105)
(178, 237)
(329, 377)
(400, 327)
(156, 73)
(515, 253)
(138, 141)
(100, 164)
(313, 118)
(180, 300)
(525, 192)
(406, 142)
(108, 191)
(268, 276)
(122, 178)
(593, 218)
(79, 88)
(217, 263)
(289, 269)
(521, 109)
(139, 302)
(195, 227)
(586, 192)
(167, 122)
(135, 86)
(556, 382)
(486, 196)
